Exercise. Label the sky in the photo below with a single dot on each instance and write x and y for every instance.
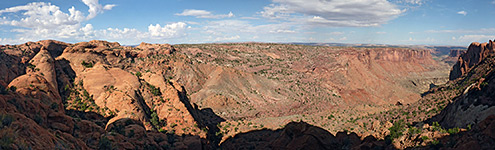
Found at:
(130, 22)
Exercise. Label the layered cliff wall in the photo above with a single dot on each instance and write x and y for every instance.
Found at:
(475, 53)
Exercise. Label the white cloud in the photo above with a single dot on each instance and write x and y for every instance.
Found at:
(282, 31)
(336, 33)
(475, 38)
(213, 31)
(96, 8)
(347, 13)
(168, 31)
(250, 18)
(425, 40)
(229, 26)
(40, 15)
(478, 31)
(462, 13)
(273, 11)
(227, 38)
(416, 2)
(381, 32)
(203, 14)
(39, 21)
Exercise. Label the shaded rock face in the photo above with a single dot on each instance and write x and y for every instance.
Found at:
(475, 53)
(301, 135)
(477, 100)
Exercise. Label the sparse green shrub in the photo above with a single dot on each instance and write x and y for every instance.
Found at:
(155, 121)
(397, 129)
(138, 74)
(413, 130)
(87, 65)
(453, 130)
(154, 90)
(424, 138)
(162, 131)
(29, 65)
(172, 125)
(436, 126)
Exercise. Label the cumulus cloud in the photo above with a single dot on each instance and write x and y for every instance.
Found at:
(168, 31)
(40, 15)
(204, 14)
(347, 13)
(40, 20)
(96, 8)
(462, 13)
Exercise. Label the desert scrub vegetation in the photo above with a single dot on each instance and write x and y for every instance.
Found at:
(79, 99)
(154, 90)
(397, 129)
(87, 64)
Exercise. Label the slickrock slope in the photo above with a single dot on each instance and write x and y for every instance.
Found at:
(475, 53)
(92, 95)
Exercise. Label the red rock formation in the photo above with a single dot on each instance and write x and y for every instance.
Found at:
(54, 95)
(475, 53)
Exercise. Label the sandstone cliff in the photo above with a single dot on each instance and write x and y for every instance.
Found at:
(475, 53)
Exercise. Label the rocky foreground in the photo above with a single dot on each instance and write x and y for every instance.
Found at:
(101, 95)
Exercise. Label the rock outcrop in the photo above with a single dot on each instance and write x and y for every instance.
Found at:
(477, 100)
(475, 53)
(91, 95)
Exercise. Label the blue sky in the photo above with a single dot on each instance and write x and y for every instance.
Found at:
(129, 22)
